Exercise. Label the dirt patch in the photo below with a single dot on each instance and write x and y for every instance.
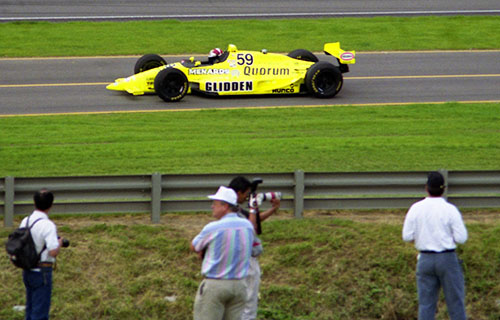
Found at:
(196, 221)
(397, 216)
(193, 223)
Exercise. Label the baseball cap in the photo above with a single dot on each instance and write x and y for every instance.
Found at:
(435, 181)
(225, 194)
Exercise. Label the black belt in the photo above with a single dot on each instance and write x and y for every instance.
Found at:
(45, 265)
(434, 252)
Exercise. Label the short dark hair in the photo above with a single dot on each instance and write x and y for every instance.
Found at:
(435, 184)
(43, 199)
(240, 184)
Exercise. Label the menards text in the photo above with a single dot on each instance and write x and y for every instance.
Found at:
(208, 71)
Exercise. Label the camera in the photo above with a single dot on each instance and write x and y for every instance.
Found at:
(254, 184)
(256, 199)
(267, 196)
(65, 242)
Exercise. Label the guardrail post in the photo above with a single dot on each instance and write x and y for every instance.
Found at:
(8, 218)
(299, 193)
(444, 172)
(155, 197)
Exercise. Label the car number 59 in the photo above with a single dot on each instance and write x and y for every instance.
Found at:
(245, 59)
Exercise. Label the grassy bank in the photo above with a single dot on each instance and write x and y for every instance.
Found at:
(321, 267)
(25, 39)
(411, 137)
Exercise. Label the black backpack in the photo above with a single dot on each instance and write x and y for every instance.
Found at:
(21, 247)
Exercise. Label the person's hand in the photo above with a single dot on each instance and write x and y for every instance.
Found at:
(275, 203)
(252, 202)
(201, 254)
(253, 205)
(60, 240)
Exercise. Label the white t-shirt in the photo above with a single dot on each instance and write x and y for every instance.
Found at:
(44, 232)
(434, 225)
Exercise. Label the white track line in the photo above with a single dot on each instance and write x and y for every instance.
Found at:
(254, 15)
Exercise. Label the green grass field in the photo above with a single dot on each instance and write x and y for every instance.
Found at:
(410, 137)
(41, 39)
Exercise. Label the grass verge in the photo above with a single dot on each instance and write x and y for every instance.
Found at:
(392, 138)
(41, 39)
(322, 267)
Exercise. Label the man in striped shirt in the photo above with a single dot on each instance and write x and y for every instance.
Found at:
(225, 246)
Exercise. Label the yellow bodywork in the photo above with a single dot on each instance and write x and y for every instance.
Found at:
(241, 73)
(345, 57)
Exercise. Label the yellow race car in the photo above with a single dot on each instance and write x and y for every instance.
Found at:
(236, 72)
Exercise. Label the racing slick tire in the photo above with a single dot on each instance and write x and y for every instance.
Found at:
(302, 54)
(148, 61)
(323, 80)
(171, 84)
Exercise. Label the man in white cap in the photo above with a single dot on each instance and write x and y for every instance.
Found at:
(225, 246)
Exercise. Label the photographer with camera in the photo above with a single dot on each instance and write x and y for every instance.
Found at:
(246, 191)
(38, 281)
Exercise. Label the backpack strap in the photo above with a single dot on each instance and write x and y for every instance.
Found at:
(29, 227)
(28, 222)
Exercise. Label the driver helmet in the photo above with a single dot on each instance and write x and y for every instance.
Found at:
(214, 54)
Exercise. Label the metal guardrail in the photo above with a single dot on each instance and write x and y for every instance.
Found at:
(301, 191)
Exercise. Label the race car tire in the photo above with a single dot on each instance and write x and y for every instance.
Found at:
(148, 61)
(171, 84)
(323, 80)
(302, 54)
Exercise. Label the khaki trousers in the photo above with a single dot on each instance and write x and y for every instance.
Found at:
(220, 299)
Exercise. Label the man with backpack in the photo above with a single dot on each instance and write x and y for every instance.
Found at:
(38, 281)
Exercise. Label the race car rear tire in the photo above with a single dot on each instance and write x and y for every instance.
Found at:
(148, 61)
(302, 54)
(171, 84)
(323, 80)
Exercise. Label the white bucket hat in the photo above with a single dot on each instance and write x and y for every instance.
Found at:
(225, 194)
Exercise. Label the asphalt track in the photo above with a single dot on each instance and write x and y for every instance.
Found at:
(77, 85)
(202, 9)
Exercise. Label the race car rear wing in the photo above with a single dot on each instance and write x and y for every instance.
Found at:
(343, 57)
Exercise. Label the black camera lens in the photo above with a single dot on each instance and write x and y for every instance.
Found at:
(65, 243)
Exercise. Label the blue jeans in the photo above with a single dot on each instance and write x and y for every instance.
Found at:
(433, 272)
(38, 290)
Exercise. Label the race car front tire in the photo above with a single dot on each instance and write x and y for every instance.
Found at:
(171, 84)
(302, 54)
(323, 80)
(147, 62)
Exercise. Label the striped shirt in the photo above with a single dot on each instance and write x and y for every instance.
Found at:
(228, 245)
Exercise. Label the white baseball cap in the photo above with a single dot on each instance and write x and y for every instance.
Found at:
(225, 194)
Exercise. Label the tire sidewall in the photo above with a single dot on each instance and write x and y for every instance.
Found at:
(303, 54)
(147, 62)
(161, 89)
(320, 69)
